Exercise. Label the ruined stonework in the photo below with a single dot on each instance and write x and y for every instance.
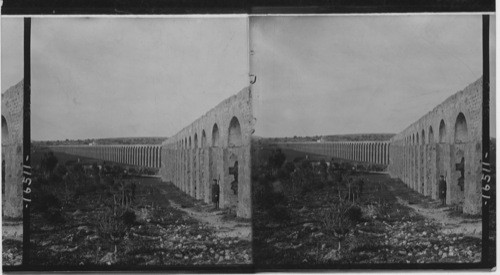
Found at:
(208, 148)
(136, 155)
(440, 143)
(373, 152)
(12, 152)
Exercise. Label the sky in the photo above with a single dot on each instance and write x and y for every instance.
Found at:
(125, 77)
(316, 75)
(327, 75)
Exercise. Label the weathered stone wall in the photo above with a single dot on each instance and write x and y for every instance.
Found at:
(374, 152)
(205, 150)
(437, 142)
(136, 155)
(12, 151)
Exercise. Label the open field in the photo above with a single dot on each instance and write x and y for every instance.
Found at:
(95, 217)
(303, 216)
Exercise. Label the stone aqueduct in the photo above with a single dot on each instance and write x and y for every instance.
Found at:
(12, 152)
(199, 153)
(136, 155)
(446, 141)
(374, 152)
(209, 148)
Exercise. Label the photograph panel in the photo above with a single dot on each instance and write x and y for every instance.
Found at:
(368, 142)
(140, 142)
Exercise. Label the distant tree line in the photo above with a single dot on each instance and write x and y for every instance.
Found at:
(351, 137)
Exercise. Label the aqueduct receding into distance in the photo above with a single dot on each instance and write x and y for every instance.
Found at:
(199, 153)
(446, 141)
(375, 152)
(137, 155)
(208, 148)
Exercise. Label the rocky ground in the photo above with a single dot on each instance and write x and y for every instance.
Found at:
(398, 225)
(12, 252)
(163, 234)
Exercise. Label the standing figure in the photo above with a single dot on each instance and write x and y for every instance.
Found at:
(234, 171)
(442, 190)
(215, 193)
(461, 168)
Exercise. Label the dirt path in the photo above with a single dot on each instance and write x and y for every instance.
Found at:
(224, 228)
(451, 225)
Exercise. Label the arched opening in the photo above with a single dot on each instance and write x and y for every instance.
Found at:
(431, 135)
(5, 130)
(232, 181)
(195, 166)
(442, 131)
(423, 136)
(417, 139)
(214, 157)
(234, 137)
(5, 138)
(204, 177)
(189, 145)
(215, 136)
(461, 135)
(233, 177)
(203, 139)
(460, 155)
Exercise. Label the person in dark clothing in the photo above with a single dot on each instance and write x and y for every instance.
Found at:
(215, 193)
(442, 190)
(461, 168)
(234, 184)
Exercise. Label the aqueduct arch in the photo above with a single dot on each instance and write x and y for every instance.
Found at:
(461, 135)
(431, 135)
(232, 158)
(442, 131)
(455, 153)
(215, 135)
(459, 155)
(234, 137)
(5, 131)
(5, 141)
(212, 158)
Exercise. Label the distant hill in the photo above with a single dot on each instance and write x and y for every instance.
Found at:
(105, 141)
(349, 137)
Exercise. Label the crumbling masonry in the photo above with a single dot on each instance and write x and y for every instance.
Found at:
(208, 148)
(446, 141)
(12, 152)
